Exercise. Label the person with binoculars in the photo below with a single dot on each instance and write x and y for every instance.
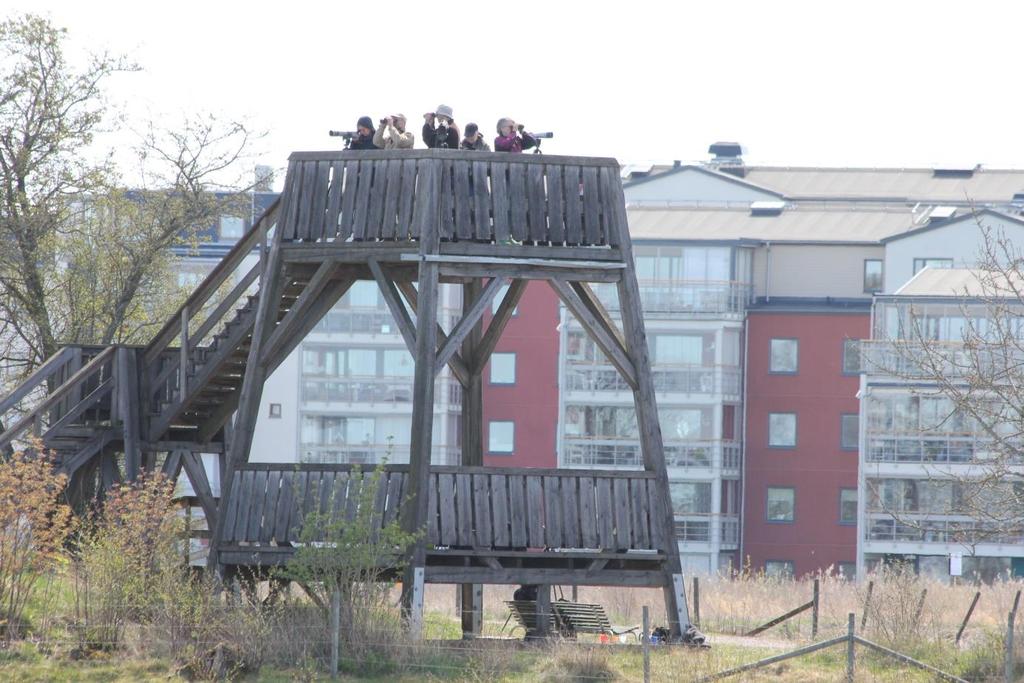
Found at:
(439, 129)
(398, 137)
(513, 138)
(474, 140)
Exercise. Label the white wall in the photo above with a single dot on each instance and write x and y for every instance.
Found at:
(813, 270)
(276, 439)
(693, 185)
(961, 241)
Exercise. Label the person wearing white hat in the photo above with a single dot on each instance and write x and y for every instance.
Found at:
(439, 129)
(398, 137)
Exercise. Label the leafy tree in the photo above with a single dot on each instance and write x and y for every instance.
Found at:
(86, 258)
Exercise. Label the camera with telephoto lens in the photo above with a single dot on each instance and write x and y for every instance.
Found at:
(545, 136)
(347, 134)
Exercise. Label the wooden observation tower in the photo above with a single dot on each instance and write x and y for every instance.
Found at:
(408, 221)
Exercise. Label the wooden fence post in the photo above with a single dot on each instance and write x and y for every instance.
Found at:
(696, 602)
(335, 630)
(850, 643)
(1010, 617)
(967, 617)
(646, 643)
(867, 605)
(920, 606)
(814, 609)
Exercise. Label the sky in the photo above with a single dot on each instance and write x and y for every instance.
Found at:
(896, 83)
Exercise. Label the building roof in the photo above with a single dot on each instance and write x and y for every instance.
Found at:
(842, 225)
(978, 185)
(960, 282)
(977, 217)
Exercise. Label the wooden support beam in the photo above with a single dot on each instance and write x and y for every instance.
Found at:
(471, 594)
(597, 309)
(319, 282)
(398, 311)
(506, 309)
(603, 337)
(130, 401)
(196, 472)
(470, 318)
(461, 271)
(646, 405)
(172, 465)
(426, 220)
(456, 362)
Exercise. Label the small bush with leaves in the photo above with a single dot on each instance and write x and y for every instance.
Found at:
(347, 548)
(33, 526)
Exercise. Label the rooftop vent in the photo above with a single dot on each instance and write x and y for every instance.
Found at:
(726, 150)
(941, 213)
(954, 172)
(634, 171)
(767, 208)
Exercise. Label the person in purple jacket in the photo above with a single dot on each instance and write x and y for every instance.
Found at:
(512, 138)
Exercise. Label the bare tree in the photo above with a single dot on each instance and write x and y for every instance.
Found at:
(87, 258)
(966, 359)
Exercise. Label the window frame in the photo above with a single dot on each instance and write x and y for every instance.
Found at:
(881, 275)
(843, 522)
(796, 431)
(275, 411)
(767, 500)
(490, 426)
(917, 259)
(842, 419)
(792, 569)
(842, 360)
(490, 372)
(795, 370)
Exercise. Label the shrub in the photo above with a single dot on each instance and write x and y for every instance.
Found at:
(352, 552)
(132, 536)
(34, 524)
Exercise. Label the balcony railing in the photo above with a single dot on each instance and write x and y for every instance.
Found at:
(371, 390)
(912, 359)
(367, 320)
(592, 452)
(685, 296)
(681, 379)
(701, 528)
(372, 454)
(882, 526)
(925, 448)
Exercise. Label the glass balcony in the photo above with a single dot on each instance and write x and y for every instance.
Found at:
(372, 454)
(685, 296)
(683, 379)
(592, 452)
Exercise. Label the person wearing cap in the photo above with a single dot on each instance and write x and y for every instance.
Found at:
(474, 140)
(509, 141)
(364, 135)
(439, 129)
(397, 137)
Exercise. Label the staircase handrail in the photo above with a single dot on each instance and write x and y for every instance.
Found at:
(55, 396)
(40, 375)
(206, 289)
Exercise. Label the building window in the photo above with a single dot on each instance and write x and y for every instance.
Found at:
(872, 276)
(275, 410)
(498, 298)
(781, 430)
(779, 569)
(850, 432)
(847, 570)
(922, 263)
(781, 503)
(690, 497)
(501, 436)
(231, 227)
(851, 357)
(503, 368)
(783, 356)
(847, 506)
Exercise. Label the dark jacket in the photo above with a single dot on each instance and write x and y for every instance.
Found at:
(478, 146)
(363, 142)
(514, 143)
(431, 137)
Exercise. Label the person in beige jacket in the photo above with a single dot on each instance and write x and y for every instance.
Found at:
(397, 137)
